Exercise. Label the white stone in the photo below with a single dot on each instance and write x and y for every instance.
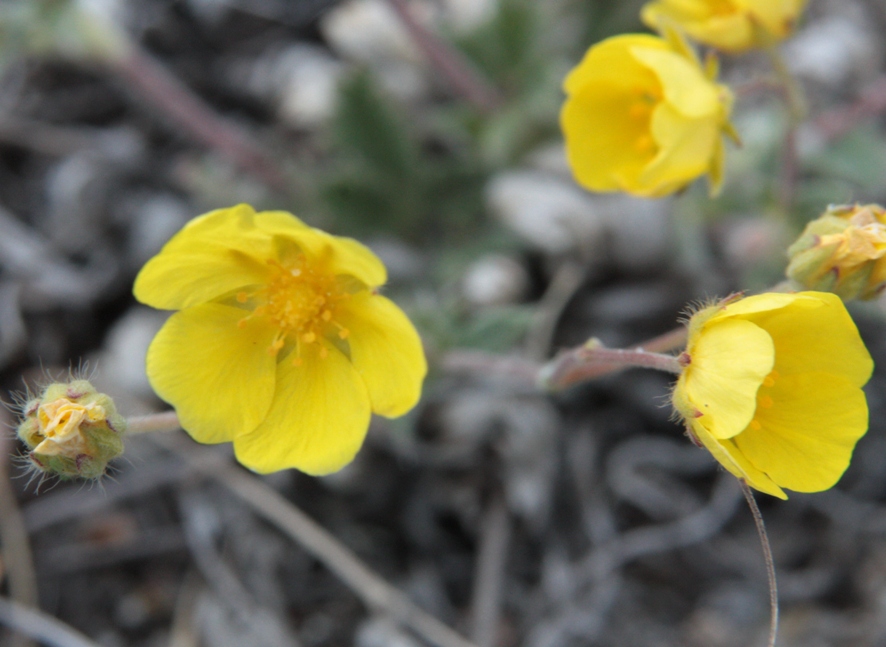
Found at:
(122, 364)
(463, 16)
(639, 229)
(550, 213)
(495, 279)
(834, 49)
(308, 89)
(369, 32)
(381, 631)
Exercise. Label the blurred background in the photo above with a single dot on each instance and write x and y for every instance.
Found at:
(429, 130)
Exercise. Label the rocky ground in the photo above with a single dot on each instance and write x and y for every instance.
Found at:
(517, 517)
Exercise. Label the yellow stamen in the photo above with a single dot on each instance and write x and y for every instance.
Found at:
(301, 300)
(644, 143)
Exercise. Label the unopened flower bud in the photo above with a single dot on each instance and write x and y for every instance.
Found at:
(842, 252)
(71, 430)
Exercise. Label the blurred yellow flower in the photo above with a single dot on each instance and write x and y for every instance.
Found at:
(282, 343)
(772, 388)
(730, 25)
(642, 116)
(843, 251)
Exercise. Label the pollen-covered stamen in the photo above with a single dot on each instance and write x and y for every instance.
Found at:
(301, 299)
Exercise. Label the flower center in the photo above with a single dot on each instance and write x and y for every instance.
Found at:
(60, 424)
(300, 299)
(640, 107)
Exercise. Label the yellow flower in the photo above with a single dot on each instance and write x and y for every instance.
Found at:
(843, 251)
(642, 116)
(730, 25)
(282, 343)
(772, 388)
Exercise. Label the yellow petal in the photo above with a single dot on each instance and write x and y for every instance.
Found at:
(778, 17)
(216, 253)
(342, 255)
(807, 435)
(386, 351)
(729, 456)
(685, 86)
(729, 31)
(686, 147)
(318, 419)
(602, 139)
(610, 62)
(812, 332)
(218, 375)
(729, 362)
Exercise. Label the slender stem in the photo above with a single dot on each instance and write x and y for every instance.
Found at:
(166, 421)
(793, 92)
(836, 123)
(157, 85)
(797, 112)
(593, 360)
(492, 556)
(767, 557)
(450, 63)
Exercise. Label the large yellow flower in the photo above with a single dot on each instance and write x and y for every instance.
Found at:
(642, 116)
(730, 25)
(772, 388)
(282, 343)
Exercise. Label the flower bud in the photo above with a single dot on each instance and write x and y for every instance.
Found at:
(842, 252)
(72, 430)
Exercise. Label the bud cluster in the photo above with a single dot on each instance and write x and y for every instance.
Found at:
(71, 430)
(842, 252)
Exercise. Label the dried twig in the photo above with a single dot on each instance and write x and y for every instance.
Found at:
(18, 560)
(375, 592)
(568, 278)
(491, 559)
(164, 91)
(41, 626)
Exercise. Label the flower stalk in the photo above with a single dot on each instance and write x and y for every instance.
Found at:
(166, 421)
(593, 360)
(767, 558)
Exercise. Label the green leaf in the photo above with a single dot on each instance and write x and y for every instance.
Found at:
(367, 124)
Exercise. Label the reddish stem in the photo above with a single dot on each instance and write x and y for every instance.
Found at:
(162, 90)
(451, 64)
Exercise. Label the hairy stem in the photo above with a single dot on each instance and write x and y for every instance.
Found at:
(593, 360)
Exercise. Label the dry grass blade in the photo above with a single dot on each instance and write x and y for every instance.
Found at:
(373, 590)
(41, 626)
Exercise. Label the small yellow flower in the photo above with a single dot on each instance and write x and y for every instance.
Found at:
(843, 251)
(642, 116)
(730, 25)
(282, 343)
(772, 388)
